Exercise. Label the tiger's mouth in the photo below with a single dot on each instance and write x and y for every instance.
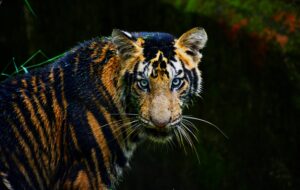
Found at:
(159, 134)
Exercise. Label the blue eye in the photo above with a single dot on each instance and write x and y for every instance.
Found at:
(143, 84)
(176, 83)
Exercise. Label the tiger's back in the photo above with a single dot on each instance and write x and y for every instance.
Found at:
(65, 126)
(37, 138)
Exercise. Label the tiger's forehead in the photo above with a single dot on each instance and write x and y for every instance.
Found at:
(159, 55)
(159, 67)
(153, 42)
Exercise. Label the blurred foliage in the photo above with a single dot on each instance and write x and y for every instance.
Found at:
(251, 75)
(276, 21)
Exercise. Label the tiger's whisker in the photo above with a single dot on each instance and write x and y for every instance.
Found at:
(207, 122)
(118, 129)
(181, 139)
(133, 129)
(114, 122)
(188, 130)
(186, 136)
(190, 124)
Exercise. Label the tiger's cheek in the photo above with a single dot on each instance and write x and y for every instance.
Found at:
(145, 106)
(182, 92)
(175, 107)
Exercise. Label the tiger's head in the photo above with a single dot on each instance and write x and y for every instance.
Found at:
(159, 76)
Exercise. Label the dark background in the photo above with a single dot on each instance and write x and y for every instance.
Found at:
(251, 82)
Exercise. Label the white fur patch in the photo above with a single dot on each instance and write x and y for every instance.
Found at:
(127, 34)
(5, 181)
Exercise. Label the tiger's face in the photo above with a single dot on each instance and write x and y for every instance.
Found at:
(159, 76)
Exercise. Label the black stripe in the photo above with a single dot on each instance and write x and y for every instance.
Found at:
(172, 65)
(116, 151)
(57, 85)
(99, 66)
(21, 156)
(17, 179)
(98, 83)
(192, 77)
(129, 79)
(195, 80)
(72, 151)
(135, 70)
(75, 169)
(34, 105)
(47, 108)
(191, 53)
(29, 123)
(145, 70)
(10, 148)
(103, 94)
(87, 141)
(49, 114)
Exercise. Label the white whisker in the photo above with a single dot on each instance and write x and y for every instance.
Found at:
(179, 130)
(189, 123)
(207, 122)
(186, 136)
(188, 130)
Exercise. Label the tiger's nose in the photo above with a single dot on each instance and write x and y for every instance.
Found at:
(160, 122)
(160, 113)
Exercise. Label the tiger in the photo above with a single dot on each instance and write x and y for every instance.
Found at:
(75, 123)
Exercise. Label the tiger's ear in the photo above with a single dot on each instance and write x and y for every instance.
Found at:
(194, 39)
(126, 46)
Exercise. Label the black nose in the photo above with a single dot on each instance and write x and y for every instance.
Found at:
(158, 122)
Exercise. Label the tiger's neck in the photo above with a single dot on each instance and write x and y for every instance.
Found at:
(93, 77)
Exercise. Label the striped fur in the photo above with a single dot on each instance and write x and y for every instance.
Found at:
(66, 126)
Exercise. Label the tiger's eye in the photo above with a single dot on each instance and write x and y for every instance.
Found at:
(143, 84)
(176, 83)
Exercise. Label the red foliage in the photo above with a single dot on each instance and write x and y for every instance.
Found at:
(272, 35)
(288, 19)
(282, 40)
(235, 28)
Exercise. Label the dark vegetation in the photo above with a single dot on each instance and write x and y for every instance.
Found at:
(251, 82)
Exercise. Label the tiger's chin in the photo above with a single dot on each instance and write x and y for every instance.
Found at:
(159, 135)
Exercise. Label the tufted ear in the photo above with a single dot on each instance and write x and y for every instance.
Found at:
(126, 46)
(194, 39)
